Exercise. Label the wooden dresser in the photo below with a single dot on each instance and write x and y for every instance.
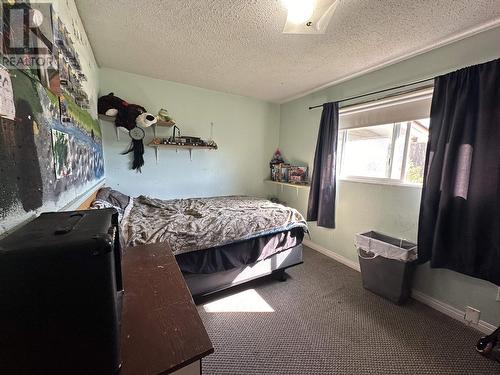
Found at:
(162, 332)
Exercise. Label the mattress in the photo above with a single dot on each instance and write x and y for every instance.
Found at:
(195, 224)
(208, 235)
(223, 258)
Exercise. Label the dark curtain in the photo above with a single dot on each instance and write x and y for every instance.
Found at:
(321, 207)
(459, 224)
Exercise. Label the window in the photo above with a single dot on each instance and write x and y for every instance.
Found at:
(392, 152)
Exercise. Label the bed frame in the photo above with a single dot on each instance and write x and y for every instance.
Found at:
(204, 284)
(87, 202)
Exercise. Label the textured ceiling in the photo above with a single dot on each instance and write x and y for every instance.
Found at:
(237, 46)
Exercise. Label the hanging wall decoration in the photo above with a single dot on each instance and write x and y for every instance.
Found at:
(137, 147)
(132, 117)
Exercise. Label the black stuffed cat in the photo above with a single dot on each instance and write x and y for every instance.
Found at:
(110, 104)
(125, 112)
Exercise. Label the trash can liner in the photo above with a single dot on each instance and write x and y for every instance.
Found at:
(388, 247)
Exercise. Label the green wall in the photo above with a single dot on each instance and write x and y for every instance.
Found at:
(245, 129)
(387, 208)
(248, 130)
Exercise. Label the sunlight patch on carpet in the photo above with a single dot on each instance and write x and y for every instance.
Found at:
(246, 301)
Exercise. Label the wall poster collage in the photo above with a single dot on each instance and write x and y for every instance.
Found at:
(50, 142)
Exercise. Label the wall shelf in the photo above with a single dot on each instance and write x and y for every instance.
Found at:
(165, 124)
(112, 119)
(297, 187)
(158, 123)
(179, 147)
(107, 118)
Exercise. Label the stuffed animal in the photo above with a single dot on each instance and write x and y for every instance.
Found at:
(145, 120)
(164, 116)
(125, 113)
(129, 116)
(110, 105)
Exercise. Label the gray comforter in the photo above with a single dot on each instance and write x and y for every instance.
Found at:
(195, 224)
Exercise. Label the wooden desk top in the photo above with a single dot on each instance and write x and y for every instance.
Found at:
(161, 328)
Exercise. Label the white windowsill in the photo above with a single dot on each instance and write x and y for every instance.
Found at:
(380, 181)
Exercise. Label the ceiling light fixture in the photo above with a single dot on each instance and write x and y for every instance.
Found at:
(308, 16)
(299, 11)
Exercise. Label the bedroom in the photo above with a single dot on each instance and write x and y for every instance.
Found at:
(227, 85)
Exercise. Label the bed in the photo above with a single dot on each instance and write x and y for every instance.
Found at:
(218, 242)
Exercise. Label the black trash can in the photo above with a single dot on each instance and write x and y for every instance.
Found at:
(387, 265)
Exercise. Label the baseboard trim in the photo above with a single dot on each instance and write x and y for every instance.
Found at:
(451, 311)
(486, 327)
(438, 305)
(339, 258)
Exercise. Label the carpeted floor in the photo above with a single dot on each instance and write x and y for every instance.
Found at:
(324, 322)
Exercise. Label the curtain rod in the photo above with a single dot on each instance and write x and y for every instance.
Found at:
(378, 92)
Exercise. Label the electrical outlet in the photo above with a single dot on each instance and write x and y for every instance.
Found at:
(498, 294)
(472, 315)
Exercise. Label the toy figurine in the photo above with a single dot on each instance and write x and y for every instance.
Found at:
(277, 157)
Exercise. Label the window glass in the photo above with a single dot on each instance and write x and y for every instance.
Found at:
(399, 150)
(340, 148)
(367, 151)
(417, 145)
(393, 152)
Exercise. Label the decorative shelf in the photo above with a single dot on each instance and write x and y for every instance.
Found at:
(165, 123)
(107, 118)
(181, 147)
(158, 123)
(112, 119)
(288, 184)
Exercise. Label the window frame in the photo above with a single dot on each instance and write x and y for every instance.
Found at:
(389, 165)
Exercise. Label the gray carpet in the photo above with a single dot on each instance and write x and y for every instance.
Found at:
(324, 322)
